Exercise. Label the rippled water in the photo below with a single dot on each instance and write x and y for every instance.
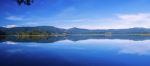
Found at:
(75, 51)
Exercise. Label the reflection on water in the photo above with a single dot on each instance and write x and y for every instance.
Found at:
(51, 39)
(75, 50)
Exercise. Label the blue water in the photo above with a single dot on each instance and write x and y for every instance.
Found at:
(89, 52)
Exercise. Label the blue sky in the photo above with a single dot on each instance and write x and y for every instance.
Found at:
(91, 14)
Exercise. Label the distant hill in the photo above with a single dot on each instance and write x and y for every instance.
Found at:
(15, 30)
(55, 30)
(114, 31)
(77, 30)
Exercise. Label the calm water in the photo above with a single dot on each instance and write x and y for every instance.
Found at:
(75, 51)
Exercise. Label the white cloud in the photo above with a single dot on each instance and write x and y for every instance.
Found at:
(134, 17)
(132, 20)
(10, 42)
(15, 18)
(116, 22)
(10, 26)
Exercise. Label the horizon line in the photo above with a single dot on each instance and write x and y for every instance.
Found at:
(75, 27)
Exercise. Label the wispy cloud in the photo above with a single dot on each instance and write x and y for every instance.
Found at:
(15, 18)
(134, 17)
(10, 26)
(116, 22)
(131, 20)
(10, 42)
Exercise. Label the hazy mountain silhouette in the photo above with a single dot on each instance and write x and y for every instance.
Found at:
(52, 29)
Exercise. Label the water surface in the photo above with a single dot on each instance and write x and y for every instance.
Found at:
(75, 51)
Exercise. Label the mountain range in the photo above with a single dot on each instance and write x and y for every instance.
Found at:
(51, 29)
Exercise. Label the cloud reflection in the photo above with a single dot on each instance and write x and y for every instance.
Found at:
(121, 46)
(14, 50)
(139, 49)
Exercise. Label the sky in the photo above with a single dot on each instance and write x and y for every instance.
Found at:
(89, 14)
